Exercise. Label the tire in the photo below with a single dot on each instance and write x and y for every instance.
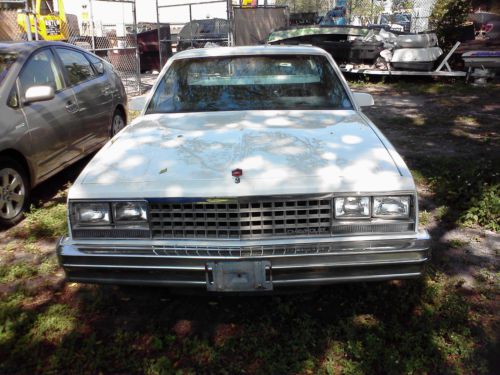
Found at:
(14, 191)
(117, 122)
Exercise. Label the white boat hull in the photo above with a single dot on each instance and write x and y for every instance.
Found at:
(417, 41)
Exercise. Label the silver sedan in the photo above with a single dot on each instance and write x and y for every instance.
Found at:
(58, 104)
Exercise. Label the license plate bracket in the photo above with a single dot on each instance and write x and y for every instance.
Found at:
(239, 276)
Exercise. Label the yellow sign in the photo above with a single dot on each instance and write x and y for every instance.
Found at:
(249, 3)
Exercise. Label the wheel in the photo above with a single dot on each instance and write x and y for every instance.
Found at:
(118, 122)
(14, 191)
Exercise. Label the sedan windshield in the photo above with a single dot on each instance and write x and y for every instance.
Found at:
(239, 83)
(6, 60)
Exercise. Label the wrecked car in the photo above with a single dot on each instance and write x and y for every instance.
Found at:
(250, 169)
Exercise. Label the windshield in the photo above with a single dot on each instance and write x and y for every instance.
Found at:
(6, 60)
(240, 83)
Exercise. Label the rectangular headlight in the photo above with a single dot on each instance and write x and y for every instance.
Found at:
(352, 207)
(396, 207)
(130, 212)
(92, 213)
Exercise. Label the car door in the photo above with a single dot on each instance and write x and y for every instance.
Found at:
(94, 95)
(49, 121)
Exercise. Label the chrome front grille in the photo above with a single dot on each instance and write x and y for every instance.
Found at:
(241, 219)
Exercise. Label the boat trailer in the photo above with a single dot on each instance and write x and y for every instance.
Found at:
(443, 70)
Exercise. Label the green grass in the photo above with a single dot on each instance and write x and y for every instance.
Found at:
(46, 222)
(457, 244)
(18, 271)
(423, 86)
(53, 324)
(469, 188)
(424, 217)
(389, 328)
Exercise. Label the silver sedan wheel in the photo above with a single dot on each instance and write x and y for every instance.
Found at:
(118, 124)
(12, 193)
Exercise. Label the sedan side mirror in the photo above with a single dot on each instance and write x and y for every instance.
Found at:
(99, 67)
(38, 94)
(362, 99)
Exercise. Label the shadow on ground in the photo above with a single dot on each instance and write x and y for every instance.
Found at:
(396, 327)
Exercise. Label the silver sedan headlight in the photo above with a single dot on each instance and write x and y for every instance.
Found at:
(394, 207)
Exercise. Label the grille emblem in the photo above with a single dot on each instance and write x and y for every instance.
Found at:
(237, 173)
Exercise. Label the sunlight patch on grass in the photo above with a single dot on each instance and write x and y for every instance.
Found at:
(54, 323)
(424, 217)
(48, 266)
(18, 271)
(46, 222)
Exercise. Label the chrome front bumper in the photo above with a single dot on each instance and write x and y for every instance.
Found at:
(285, 262)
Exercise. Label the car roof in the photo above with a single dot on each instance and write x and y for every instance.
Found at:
(249, 51)
(25, 48)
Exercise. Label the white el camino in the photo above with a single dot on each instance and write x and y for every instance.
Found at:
(249, 169)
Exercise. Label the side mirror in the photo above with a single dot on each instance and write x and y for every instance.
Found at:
(137, 103)
(38, 94)
(363, 100)
(99, 67)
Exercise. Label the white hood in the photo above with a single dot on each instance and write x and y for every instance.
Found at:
(280, 152)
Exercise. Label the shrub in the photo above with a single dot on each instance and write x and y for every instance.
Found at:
(446, 17)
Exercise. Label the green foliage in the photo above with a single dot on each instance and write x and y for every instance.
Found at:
(424, 217)
(298, 6)
(54, 323)
(47, 222)
(471, 187)
(402, 5)
(367, 10)
(19, 271)
(132, 115)
(484, 210)
(446, 16)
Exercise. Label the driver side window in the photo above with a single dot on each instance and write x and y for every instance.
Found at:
(41, 70)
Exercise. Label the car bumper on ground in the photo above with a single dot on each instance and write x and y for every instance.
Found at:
(244, 265)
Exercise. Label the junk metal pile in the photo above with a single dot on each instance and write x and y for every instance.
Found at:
(368, 48)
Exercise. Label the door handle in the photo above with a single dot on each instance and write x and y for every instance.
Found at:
(71, 107)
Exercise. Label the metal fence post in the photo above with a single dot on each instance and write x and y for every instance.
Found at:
(92, 30)
(35, 21)
(190, 25)
(27, 21)
(137, 55)
(230, 37)
(159, 33)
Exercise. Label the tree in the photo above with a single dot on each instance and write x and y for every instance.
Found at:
(446, 17)
(402, 5)
(366, 10)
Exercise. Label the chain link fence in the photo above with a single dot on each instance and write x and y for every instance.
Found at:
(9, 28)
(90, 29)
(115, 41)
(403, 15)
(195, 24)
